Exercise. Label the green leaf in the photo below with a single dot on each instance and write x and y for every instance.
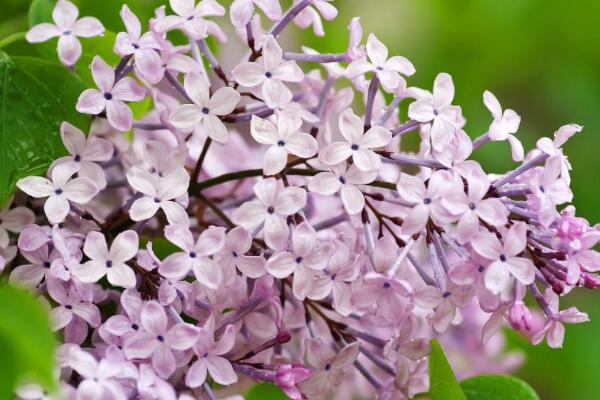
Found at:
(442, 382)
(26, 341)
(497, 387)
(41, 11)
(265, 391)
(35, 97)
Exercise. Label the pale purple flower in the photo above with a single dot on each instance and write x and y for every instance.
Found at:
(143, 48)
(358, 144)
(283, 139)
(40, 261)
(59, 191)
(159, 193)
(311, 15)
(112, 261)
(129, 322)
(444, 303)
(549, 190)
(241, 11)
(269, 211)
(345, 180)
(305, 259)
(190, 17)
(99, 378)
(110, 96)
(288, 377)
(203, 115)
(269, 73)
(158, 341)
(473, 205)
(330, 366)
(86, 153)
(437, 109)
(70, 305)
(196, 255)
(427, 200)
(67, 28)
(210, 357)
(505, 258)
(505, 125)
(151, 386)
(554, 328)
(237, 244)
(554, 147)
(388, 70)
(13, 220)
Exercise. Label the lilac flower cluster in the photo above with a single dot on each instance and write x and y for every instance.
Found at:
(323, 257)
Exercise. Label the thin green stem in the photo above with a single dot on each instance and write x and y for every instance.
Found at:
(15, 37)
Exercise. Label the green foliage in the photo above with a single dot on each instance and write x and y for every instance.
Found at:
(26, 342)
(497, 387)
(265, 391)
(442, 382)
(35, 97)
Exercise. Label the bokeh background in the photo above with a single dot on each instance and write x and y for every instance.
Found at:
(540, 57)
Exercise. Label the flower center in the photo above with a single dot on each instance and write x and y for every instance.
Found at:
(77, 158)
(502, 257)
(299, 260)
(281, 143)
(354, 147)
(108, 96)
(136, 46)
(270, 210)
(268, 75)
(472, 206)
(193, 254)
(135, 327)
(205, 110)
(446, 294)
(58, 192)
(160, 338)
(69, 307)
(67, 33)
(386, 285)
(426, 201)
(46, 264)
(109, 264)
(343, 180)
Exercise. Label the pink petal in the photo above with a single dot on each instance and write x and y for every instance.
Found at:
(325, 183)
(353, 199)
(140, 345)
(358, 67)
(515, 240)
(522, 269)
(275, 93)
(28, 275)
(263, 131)
(215, 129)
(64, 14)
(119, 115)
(143, 209)
(127, 89)
(492, 104)
(80, 190)
(249, 74)
(186, 116)
(223, 101)
(103, 75)
(351, 126)
(88, 312)
(250, 214)
(208, 273)
(275, 160)
(132, 23)
(226, 342)
(73, 138)
(211, 241)
(91, 101)
(241, 12)
(221, 370)
(291, 200)
(271, 8)
(288, 71)
(182, 7)
(400, 64)
(124, 247)
(443, 91)
(302, 145)
(56, 208)
(487, 245)
(91, 271)
(87, 27)
(335, 153)
(281, 265)
(60, 317)
(149, 65)
(163, 361)
(176, 266)
(272, 53)
(416, 219)
(196, 375)
(182, 336)
(496, 277)
(42, 32)
(366, 160)
(153, 318)
(376, 50)
(175, 213)
(375, 137)
(36, 186)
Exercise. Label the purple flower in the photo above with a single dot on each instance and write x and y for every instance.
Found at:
(110, 96)
(67, 28)
(158, 341)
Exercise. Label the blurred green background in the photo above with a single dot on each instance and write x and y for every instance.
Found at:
(540, 57)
